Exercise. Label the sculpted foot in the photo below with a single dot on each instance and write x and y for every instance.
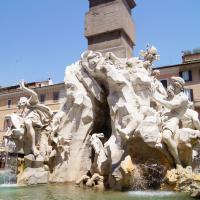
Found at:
(35, 151)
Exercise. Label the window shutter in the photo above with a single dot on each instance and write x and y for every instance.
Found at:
(191, 94)
(180, 74)
(190, 75)
(164, 83)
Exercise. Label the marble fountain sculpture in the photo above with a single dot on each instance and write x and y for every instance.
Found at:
(118, 128)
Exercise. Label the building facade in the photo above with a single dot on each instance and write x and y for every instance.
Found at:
(109, 27)
(51, 95)
(189, 70)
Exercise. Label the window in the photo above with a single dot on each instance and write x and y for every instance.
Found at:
(9, 103)
(186, 75)
(7, 123)
(42, 98)
(62, 94)
(2, 160)
(164, 82)
(189, 93)
(55, 96)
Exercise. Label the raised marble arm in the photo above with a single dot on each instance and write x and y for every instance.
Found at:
(168, 104)
(34, 97)
(196, 121)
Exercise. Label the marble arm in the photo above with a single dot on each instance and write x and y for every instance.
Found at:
(168, 104)
(196, 121)
(158, 95)
(34, 97)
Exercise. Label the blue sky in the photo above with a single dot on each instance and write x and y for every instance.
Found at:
(39, 38)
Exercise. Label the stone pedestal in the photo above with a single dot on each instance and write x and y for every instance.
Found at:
(33, 176)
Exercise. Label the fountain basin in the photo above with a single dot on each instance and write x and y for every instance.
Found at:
(69, 191)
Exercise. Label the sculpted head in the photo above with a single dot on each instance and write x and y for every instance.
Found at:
(90, 59)
(151, 54)
(156, 73)
(152, 50)
(23, 102)
(177, 82)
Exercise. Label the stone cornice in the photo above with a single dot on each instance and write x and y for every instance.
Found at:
(17, 91)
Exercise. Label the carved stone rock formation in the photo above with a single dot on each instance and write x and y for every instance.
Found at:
(118, 125)
(183, 180)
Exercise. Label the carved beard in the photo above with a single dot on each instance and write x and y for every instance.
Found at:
(170, 91)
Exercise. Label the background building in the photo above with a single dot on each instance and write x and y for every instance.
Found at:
(49, 94)
(189, 70)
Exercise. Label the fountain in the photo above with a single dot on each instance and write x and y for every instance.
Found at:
(118, 128)
(8, 172)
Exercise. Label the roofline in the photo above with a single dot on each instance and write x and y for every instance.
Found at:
(190, 54)
(177, 65)
(15, 87)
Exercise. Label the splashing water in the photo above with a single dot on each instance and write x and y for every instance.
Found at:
(150, 177)
(196, 161)
(152, 193)
(8, 174)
